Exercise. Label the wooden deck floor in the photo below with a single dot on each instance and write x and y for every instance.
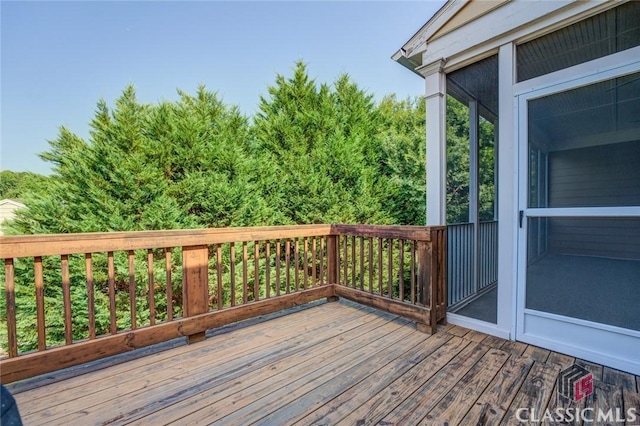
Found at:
(333, 363)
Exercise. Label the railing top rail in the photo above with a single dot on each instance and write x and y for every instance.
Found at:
(99, 242)
(420, 233)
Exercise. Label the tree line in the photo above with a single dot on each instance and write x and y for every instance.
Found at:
(312, 153)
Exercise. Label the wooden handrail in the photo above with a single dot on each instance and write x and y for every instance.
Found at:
(99, 242)
(418, 233)
(308, 262)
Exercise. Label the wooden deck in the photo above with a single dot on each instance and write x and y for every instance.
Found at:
(328, 363)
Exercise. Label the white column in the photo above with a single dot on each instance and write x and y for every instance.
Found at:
(507, 192)
(435, 99)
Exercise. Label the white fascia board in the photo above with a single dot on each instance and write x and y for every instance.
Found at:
(516, 21)
(417, 43)
(12, 202)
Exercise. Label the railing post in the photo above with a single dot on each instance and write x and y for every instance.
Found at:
(195, 285)
(332, 263)
(426, 285)
(439, 242)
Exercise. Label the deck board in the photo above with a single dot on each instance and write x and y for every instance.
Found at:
(325, 364)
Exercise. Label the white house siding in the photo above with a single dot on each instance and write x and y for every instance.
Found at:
(7, 211)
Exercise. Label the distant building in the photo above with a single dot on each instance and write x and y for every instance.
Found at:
(7, 210)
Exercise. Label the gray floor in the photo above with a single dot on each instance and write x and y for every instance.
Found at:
(595, 289)
(590, 288)
(484, 308)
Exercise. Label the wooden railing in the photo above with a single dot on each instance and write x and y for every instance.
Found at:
(226, 275)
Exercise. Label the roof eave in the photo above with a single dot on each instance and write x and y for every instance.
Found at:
(417, 44)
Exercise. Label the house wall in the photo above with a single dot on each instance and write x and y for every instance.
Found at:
(607, 175)
(616, 238)
(7, 211)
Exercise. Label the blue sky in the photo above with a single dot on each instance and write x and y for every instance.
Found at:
(60, 58)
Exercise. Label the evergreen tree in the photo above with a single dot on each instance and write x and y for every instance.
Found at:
(404, 147)
(319, 147)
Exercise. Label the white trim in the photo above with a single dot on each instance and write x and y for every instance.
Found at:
(507, 174)
(14, 203)
(436, 164)
(477, 325)
(418, 41)
(432, 68)
(582, 322)
(600, 69)
(516, 21)
(607, 345)
(630, 211)
(601, 343)
(582, 353)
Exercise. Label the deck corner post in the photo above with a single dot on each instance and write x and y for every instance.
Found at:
(195, 285)
(424, 328)
(332, 259)
(427, 283)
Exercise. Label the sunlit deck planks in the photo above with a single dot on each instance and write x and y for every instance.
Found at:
(333, 363)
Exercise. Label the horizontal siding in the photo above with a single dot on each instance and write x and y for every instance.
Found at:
(617, 238)
(606, 175)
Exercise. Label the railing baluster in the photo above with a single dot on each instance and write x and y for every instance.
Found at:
(353, 261)
(90, 296)
(167, 267)
(66, 299)
(287, 259)
(111, 276)
(232, 272)
(296, 263)
(346, 261)
(132, 289)
(256, 271)
(305, 263)
(413, 272)
(313, 263)
(401, 269)
(390, 267)
(245, 297)
(361, 263)
(152, 288)
(11, 307)
(333, 248)
(267, 268)
(219, 295)
(278, 254)
(380, 271)
(42, 343)
(370, 264)
(321, 260)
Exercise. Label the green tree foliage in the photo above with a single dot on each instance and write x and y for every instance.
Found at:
(16, 185)
(320, 152)
(314, 153)
(458, 164)
(402, 133)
